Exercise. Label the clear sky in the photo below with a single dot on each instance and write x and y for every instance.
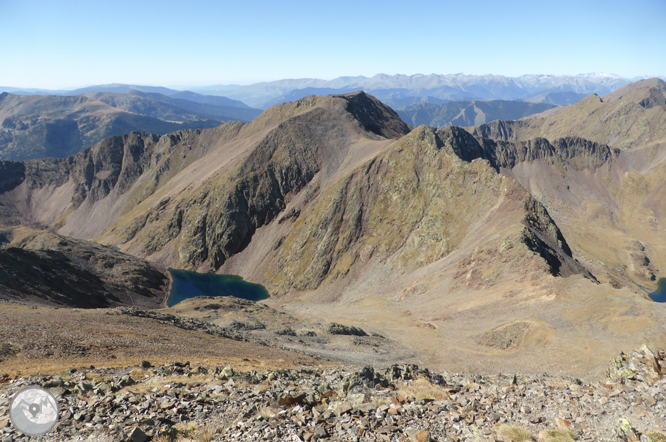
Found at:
(66, 43)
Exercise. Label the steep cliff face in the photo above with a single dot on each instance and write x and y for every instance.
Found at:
(543, 237)
(576, 152)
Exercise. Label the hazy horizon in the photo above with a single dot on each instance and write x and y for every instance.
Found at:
(181, 87)
(68, 44)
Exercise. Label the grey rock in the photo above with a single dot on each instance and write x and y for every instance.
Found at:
(137, 435)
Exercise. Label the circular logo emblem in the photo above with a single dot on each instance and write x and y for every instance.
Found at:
(33, 411)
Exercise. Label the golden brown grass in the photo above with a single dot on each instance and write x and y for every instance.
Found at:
(514, 433)
(556, 436)
(422, 389)
(139, 373)
(190, 432)
(206, 434)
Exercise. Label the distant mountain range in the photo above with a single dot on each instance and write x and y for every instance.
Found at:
(48, 126)
(561, 90)
(453, 87)
(468, 113)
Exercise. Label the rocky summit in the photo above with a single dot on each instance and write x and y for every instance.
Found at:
(187, 402)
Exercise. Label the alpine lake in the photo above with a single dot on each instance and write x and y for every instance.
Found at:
(188, 285)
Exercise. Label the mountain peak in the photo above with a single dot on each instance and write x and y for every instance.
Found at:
(374, 116)
(650, 83)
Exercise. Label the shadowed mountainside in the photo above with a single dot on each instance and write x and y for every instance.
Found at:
(45, 268)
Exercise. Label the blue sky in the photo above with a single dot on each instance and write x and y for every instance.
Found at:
(67, 44)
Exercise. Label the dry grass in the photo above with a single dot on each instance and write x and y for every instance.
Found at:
(186, 427)
(190, 432)
(206, 434)
(421, 389)
(94, 377)
(556, 436)
(656, 437)
(139, 373)
(514, 433)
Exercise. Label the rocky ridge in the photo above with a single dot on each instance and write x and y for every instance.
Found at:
(181, 401)
(630, 117)
(390, 210)
(610, 190)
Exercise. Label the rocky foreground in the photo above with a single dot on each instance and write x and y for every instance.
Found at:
(401, 403)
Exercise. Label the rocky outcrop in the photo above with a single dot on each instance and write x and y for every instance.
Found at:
(655, 98)
(116, 162)
(542, 236)
(577, 152)
(499, 130)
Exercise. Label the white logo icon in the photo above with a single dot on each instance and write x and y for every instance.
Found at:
(33, 411)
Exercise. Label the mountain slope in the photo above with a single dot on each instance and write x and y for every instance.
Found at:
(433, 238)
(612, 214)
(558, 98)
(468, 113)
(37, 126)
(178, 109)
(630, 117)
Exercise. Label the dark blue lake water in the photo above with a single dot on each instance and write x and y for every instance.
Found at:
(660, 294)
(188, 285)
